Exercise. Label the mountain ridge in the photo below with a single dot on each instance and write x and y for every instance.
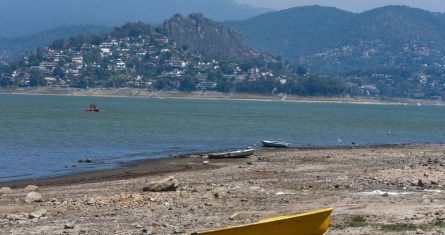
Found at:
(23, 17)
(388, 51)
(13, 48)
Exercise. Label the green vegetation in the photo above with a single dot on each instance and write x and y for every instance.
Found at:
(358, 221)
(167, 57)
(400, 227)
(355, 221)
(410, 227)
(392, 51)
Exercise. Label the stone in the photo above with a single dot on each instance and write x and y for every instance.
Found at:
(15, 217)
(5, 190)
(33, 197)
(205, 162)
(238, 215)
(167, 184)
(70, 225)
(91, 201)
(38, 214)
(136, 225)
(420, 183)
(146, 232)
(419, 231)
(31, 188)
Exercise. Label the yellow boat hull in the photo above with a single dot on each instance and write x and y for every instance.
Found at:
(311, 223)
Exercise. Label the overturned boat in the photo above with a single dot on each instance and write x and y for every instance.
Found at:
(275, 144)
(311, 223)
(232, 154)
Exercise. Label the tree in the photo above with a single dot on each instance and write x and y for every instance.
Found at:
(36, 79)
(58, 44)
(225, 85)
(301, 70)
(58, 72)
(188, 84)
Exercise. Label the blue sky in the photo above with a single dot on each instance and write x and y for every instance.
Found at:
(350, 5)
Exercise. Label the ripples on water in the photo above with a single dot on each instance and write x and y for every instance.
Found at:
(47, 135)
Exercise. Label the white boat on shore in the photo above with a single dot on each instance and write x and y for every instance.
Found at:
(232, 154)
(275, 144)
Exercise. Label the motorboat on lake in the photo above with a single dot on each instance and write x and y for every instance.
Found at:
(275, 144)
(92, 108)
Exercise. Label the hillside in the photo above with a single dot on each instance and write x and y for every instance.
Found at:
(15, 48)
(389, 51)
(185, 53)
(24, 17)
(206, 37)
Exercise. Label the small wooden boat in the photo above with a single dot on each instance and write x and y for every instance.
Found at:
(275, 144)
(311, 223)
(232, 154)
(92, 108)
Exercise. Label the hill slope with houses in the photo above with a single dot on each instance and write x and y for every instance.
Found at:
(390, 51)
(184, 53)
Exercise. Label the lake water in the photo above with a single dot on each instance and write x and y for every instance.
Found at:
(47, 135)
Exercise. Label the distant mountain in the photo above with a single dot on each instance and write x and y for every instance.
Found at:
(23, 17)
(14, 48)
(389, 51)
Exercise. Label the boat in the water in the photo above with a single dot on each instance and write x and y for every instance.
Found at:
(275, 144)
(92, 108)
(232, 154)
(310, 223)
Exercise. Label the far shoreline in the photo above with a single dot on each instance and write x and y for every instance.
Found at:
(209, 95)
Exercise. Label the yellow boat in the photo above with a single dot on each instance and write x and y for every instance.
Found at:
(310, 223)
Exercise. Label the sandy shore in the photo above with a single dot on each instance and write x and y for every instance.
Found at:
(134, 92)
(373, 190)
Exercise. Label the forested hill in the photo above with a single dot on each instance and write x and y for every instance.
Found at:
(185, 53)
(389, 51)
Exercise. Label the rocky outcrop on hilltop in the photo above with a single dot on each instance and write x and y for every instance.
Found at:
(205, 36)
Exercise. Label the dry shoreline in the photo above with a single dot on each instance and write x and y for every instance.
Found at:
(374, 190)
(154, 167)
(142, 93)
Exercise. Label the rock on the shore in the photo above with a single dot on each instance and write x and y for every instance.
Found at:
(146, 232)
(33, 197)
(15, 217)
(167, 184)
(420, 183)
(69, 225)
(238, 215)
(31, 188)
(5, 190)
(38, 214)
